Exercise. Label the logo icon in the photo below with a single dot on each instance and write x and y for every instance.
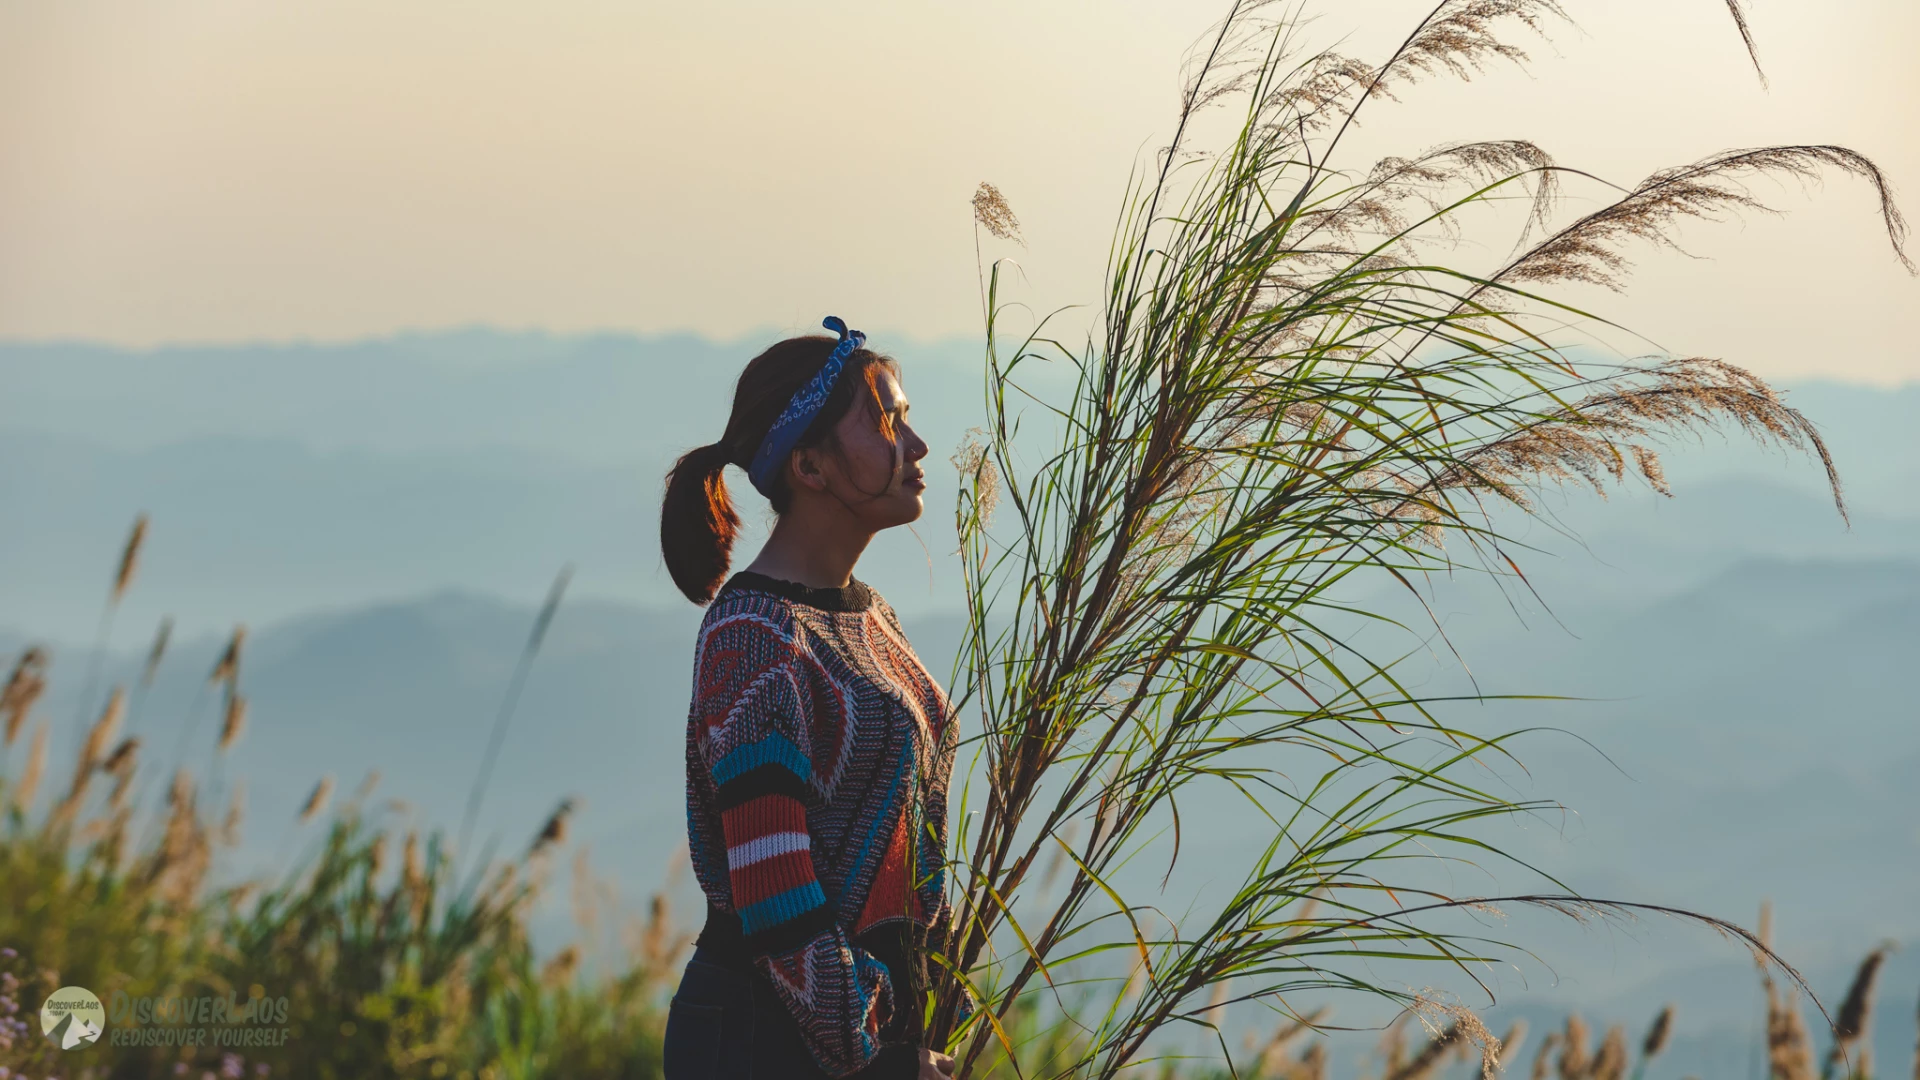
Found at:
(72, 1016)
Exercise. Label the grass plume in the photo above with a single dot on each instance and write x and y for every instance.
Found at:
(234, 724)
(1298, 389)
(316, 800)
(1850, 1023)
(24, 687)
(157, 651)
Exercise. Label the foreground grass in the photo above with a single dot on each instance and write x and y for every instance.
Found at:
(387, 967)
(390, 966)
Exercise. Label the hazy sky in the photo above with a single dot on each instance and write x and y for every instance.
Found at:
(227, 170)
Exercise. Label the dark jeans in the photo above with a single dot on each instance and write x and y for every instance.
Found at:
(727, 1024)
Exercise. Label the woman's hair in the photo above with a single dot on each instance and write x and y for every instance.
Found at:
(698, 523)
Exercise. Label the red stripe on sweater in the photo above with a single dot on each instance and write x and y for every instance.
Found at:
(890, 894)
(763, 816)
(771, 877)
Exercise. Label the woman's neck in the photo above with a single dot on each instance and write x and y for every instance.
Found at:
(819, 558)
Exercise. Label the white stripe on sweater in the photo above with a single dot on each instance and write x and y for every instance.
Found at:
(766, 847)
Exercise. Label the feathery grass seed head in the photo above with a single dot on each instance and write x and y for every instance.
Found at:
(36, 768)
(1658, 1034)
(991, 211)
(129, 558)
(317, 801)
(227, 668)
(157, 650)
(24, 687)
(235, 722)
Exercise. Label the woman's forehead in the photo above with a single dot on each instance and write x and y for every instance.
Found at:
(888, 386)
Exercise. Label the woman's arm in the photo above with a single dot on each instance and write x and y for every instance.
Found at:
(750, 697)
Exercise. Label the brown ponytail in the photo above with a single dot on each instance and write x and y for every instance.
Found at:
(698, 523)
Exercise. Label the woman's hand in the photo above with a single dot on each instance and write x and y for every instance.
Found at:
(934, 1066)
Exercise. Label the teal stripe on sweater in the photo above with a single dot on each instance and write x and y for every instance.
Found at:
(775, 749)
(780, 907)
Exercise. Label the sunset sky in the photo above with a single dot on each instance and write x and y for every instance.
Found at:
(233, 170)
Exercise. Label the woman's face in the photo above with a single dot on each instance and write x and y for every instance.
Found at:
(881, 482)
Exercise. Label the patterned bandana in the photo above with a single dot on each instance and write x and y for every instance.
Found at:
(801, 410)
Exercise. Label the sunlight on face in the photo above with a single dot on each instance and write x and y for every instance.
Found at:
(880, 479)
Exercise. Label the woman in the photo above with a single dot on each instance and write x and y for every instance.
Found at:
(818, 746)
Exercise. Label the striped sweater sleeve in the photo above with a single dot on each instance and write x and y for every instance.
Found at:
(752, 697)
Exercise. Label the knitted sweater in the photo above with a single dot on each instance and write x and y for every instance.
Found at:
(818, 754)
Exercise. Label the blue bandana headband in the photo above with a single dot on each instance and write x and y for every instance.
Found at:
(802, 409)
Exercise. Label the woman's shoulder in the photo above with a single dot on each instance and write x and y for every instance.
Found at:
(885, 611)
(740, 615)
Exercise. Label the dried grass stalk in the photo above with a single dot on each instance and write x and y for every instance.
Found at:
(1216, 1013)
(1271, 1058)
(1589, 250)
(977, 469)
(1789, 1050)
(1850, 1025)
(227, 668)
(29, 785)
(1466, 1030)
(157, 651)
(582, 894)
(129, 558)
(24, 687)
(121, 765)
(414, 879)
(317, 801)
(1576, 1061)
(1657, 1035)
(236, 721)
(1312, 1064)
(1593, 439)
(658, 945)
(92, 752)
(554, 832)
(1543, 1058)
(560, 970)
(1737, 8)
(1510, 1045)
(1423, 1063)
(236, 814)
(1611, 1062)
(992, 213)
(185, 854)
(413, 875)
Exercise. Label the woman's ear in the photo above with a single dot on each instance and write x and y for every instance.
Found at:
(806, 469)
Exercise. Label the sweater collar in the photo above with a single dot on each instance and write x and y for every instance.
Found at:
(853, 596)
